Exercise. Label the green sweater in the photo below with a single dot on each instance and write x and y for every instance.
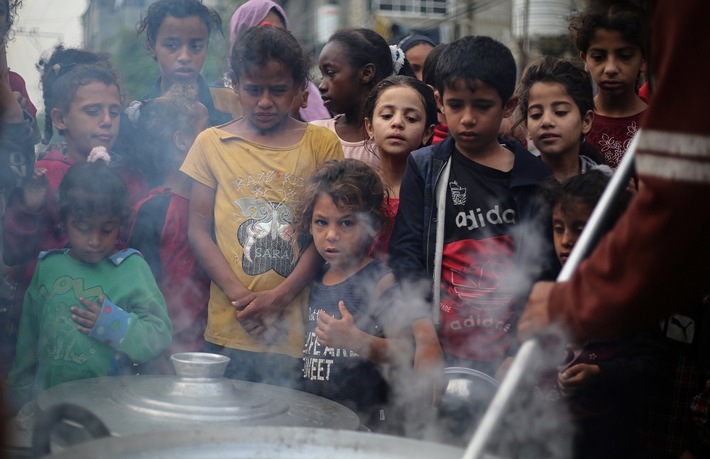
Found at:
(50, 348)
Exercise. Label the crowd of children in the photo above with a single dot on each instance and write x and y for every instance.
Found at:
(286, 225)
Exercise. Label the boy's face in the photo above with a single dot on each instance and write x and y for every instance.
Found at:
(474, 112)
(92, 120)
(567, 225)
(180, 48)
(613, 63)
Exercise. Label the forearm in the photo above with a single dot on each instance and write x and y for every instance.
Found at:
(216, 266)
(305, 271)
(380, 350)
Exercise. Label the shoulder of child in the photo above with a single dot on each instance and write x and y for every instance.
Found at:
(47, 253)
(121, 256)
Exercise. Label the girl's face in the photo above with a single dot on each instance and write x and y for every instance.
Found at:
(92, 120)
(613, 63)
(567, 225)
(266, 93)
(398, 124)
(554, 122)
(180, 48)
(416, 56)
(340, 236)
(341, 86)
(92, 238)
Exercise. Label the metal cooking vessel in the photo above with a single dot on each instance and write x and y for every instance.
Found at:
(261, 442)
(198, 397)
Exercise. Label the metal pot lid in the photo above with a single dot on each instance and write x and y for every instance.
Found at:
(260, 442)
(199, 394)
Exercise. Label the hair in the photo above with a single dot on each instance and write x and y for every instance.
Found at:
(477, 58)
(413, 39)
(426, 95)
(627, 17)
(65, 71)
(11, 14)
(259, 45)
(585, 189)
(365, 46)
(429, 66)
(92, 189)
(576, 82)
(153, 18)
(352, 185)
(160, 118)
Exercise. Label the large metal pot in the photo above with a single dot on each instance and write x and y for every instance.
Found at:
(198, 397)
(261, 442)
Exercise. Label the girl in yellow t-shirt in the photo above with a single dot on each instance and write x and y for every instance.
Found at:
(246, 174)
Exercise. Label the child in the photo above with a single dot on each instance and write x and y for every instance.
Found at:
(90, 310)
(83, 101)
(351, 310)
(464, 206)
(416, 48)
(352, 62)
(557, 107)
(611, 42)
(441, 130)
(177, 37)
(246, 173)
(308, 105)
(602, 381)
(166, 129)
(400, 114)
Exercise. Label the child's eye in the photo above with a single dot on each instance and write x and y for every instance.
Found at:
(198, 46)
(278, 90)
(561, 112)
(558, 229)
(483, 107)
(320, 222)
(412, 119)
(347, 223)
(386, 116)
(535, 116)
(253, 90)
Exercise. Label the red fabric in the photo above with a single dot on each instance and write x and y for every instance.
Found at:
(645, 92)
(380, 248)
(17, 83)
(184, 284)
(611, 136)
(441, 131)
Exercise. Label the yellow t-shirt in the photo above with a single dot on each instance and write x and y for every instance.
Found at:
(254, 187)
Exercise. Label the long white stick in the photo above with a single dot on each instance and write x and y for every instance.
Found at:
(531, 350)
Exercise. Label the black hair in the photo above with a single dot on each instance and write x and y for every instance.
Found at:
(477, 58)
(425, 94)
(153, 18)
(11, 7)
(259, 45)
(365, 46)
(577, 84)
(628, 17)
(65, 71)
(585, 189)
(351, 183)
(90, 190)
(160, 118)
(429, 65)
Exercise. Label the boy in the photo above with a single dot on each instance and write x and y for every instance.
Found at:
(461, 208)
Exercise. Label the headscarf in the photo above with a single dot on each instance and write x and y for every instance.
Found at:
(249, 15)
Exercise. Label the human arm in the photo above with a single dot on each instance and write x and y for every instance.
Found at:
(200, 228)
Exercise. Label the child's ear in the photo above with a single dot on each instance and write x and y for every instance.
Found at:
(58, 119)
(367, 73)
(587, 120)
(181, 141)
(428, 132)
(510, 106)
(583, 56)
(304, 100)
(368, 129)
(151, 50)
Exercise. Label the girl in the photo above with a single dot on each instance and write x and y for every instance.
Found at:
(83, 102)
(416, 48)
(598, 379)
(308, 105)
(352, 300)
(166, 128)
(352, 62)
(177, 37)
(400, 114)
(557, 107)
(246, 173)
(611, 39)
(90, 310)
